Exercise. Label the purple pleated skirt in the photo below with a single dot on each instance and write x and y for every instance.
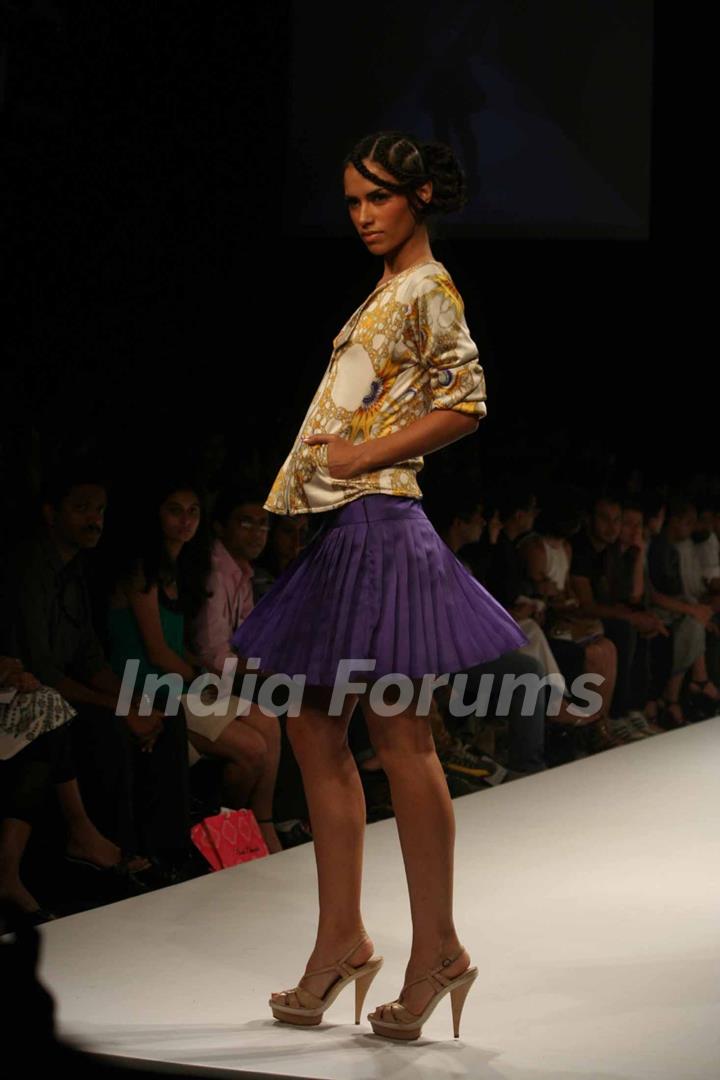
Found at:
(376, 582)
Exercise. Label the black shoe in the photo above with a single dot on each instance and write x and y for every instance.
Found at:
(460, 785)
(298, 833)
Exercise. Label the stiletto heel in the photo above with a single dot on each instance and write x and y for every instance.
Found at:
(408, 1025)
(457, 1000)
(302, 1007)
(362, 985)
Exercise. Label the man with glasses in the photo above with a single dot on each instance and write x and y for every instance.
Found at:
(241, 527)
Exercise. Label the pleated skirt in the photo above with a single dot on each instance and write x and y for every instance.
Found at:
(376, 582)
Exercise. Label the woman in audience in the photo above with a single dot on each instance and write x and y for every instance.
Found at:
(156, 597)
(35, 754)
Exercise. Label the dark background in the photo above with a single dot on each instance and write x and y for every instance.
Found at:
(179, 262)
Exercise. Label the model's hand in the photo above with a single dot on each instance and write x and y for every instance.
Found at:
(342, 455)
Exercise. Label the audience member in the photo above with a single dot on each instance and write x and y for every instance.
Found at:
(132, 770)
(35, 755)
(162, 586)
(687, 618)
(288, 535)
(598, 579)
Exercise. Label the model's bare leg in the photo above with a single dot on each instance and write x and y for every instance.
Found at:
(336, 803)
(426, 827)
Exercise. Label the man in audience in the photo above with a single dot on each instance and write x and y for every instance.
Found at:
(687, 617)
(600, 581)
(457, 515)
(241, 527)
(132, 770)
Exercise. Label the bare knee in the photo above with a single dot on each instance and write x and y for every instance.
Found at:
(600, 654)
(267, 727)
(243, 745)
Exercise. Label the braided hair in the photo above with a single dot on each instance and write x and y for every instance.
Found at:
(413, 162)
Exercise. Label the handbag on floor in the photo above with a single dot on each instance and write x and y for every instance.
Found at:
(229, 838)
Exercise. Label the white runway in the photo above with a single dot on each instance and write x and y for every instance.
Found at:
(588, 895)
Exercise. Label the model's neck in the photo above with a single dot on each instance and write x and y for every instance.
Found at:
(416, 250)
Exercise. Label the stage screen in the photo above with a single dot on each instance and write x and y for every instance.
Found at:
(546, 102)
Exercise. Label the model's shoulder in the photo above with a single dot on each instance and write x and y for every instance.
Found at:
(424, 278)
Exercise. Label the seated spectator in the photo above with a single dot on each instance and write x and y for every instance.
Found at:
(36, 752)
(579, 645)
(241, 527)
(707, 546)
(288, 535)
(686, 616)
(165, 585)
(457, 515)
(509, 582)
(130, 774)
(598, 577)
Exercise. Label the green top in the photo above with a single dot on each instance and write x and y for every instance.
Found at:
(126, 641)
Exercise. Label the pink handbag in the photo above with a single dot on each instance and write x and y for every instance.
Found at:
(227, 839)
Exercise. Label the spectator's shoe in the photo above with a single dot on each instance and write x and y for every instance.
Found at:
(598, 738)
(671, 715)
(640, 722)
(497, 773)
(632, 724)
(303, 1008)
(517, 774)
(13, 917)
(624, 731)
(293, 833)
(455, 758)
(698, 704)
(459, 785)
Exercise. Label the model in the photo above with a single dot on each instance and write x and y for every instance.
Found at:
(376, 583)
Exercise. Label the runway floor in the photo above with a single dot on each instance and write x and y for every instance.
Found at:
(588, 895)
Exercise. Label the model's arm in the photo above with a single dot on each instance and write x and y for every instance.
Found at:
(436, 429)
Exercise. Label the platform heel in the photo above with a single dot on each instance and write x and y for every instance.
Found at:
(403, 1024)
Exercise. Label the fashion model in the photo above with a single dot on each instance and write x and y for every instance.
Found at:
(376, 583)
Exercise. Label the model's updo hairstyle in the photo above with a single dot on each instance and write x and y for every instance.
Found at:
(413, 162)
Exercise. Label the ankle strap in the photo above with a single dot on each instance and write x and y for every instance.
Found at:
(341, 965)
(436, 977)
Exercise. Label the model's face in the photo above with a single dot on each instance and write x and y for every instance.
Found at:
(631, 530)
(180, 516)
(78, 521)
(607, 522)
(383, 218)
(246, 531)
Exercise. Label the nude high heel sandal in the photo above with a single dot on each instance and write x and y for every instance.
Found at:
(303, 1008)
(405, 1024)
